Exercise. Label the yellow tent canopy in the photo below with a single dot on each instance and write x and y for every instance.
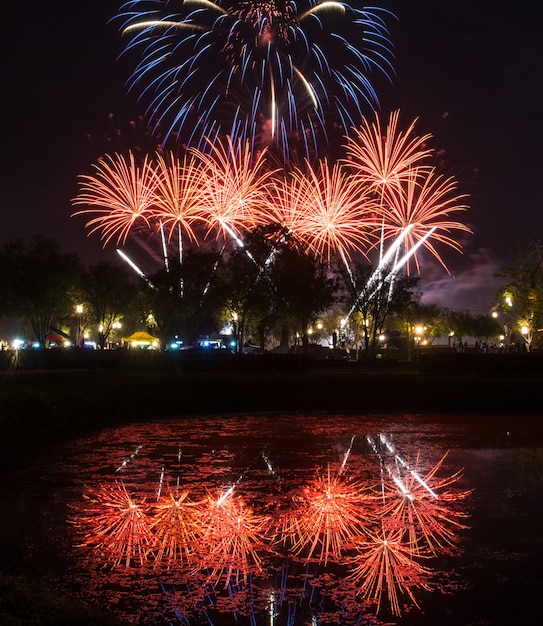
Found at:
(141, 338)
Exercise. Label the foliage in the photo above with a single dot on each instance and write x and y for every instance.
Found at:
(247, 291)
(38, 283)
(183, 299)
(520, 301)
(376, 299)
(108, 293)
(302, 288)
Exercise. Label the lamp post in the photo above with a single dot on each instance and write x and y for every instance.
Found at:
(79, 311)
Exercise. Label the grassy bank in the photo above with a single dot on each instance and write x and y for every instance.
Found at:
(40, 406)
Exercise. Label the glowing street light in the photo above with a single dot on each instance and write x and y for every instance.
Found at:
(79, 309)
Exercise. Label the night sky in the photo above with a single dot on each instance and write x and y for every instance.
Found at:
(470, 70)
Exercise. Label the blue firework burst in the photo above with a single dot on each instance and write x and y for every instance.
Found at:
(277, 72)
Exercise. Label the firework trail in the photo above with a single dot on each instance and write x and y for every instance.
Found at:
(125, 462)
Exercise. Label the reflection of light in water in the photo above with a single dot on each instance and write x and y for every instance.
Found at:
(119, 527)
(288, 547)
(174, 525)
(232, 536)
(331, 514)
(385, 564)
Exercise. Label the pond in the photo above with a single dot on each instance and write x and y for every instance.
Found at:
(291, 519)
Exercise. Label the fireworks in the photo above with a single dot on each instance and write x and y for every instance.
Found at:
(273, 72)
(425, 203)
(232, 536)
(329, 519)
(178, 196)
(234, 187)
(385, 565)
(379, 542)
(386, 191)
(382, 160)
(174, 524)
(119, 526)
(420, 506)
(120, 194)
(325, 209)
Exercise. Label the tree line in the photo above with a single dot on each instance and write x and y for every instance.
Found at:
(272, 296)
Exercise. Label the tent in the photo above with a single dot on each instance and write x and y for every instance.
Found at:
(141, 339)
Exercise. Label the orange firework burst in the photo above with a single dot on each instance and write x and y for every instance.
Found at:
(380, 160)
(421, 506)
(330, 518)
(235, 186)
(337, 214)
(120, 195)
(419, 210)
(233, 537)
(179, 195)
(385, 564)
(174, 525)
(119, 526)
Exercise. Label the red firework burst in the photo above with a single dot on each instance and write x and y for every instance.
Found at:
(420, 211)
(331, 516)
(381, 160)
(175, 527)
(422, 506)
(232, 538)
(179, 195)
(120, 528)
(120, 195)
(385, 565)
(336, 216)
(235, 187)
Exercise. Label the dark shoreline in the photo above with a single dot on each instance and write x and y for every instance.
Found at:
(41, 406)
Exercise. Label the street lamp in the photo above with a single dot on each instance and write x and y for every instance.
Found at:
(79, 311)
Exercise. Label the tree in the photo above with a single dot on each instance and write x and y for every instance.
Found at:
(248, 293)
(38, 283)
(375, 300)
(520, 301)
(108, 292)
(302, 290)
(184, 299)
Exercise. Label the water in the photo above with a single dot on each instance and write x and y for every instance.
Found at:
(265, 480)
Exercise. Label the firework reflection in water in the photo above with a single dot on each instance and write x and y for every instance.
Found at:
(330, 515)
(120, 528)
(232, 536)
(350, 540)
